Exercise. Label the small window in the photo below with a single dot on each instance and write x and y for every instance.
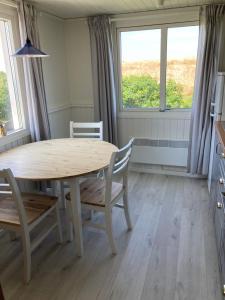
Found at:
(158, 67)
(182, 43)
(141, 68)
(10, 96)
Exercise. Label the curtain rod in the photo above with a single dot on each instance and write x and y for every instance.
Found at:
(127, 16)
(162, 24)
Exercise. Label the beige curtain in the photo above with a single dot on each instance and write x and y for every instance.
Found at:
(35, 88)
(211, 17)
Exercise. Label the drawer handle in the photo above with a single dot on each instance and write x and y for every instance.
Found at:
(221, 180)
(219, 205)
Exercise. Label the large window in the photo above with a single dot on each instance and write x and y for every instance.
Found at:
(10, 95)
(158, 67)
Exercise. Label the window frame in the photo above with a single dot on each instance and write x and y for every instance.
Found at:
(163, 64)
(10, 14)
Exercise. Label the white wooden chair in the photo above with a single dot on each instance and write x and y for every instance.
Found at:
(103, 194)
(86, 130)
(83, 130)
(22, 212)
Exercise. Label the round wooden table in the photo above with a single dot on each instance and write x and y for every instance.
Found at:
(60, 159)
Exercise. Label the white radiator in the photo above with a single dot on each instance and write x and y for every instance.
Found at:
(160, 152)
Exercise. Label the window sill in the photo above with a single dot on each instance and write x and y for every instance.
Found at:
(184, 114)
(13, 136)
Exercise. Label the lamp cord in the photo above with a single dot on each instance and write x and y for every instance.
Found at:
(25, 21)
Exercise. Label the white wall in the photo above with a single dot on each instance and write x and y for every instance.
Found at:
(52, 38)
(67, 72)
(79, 69)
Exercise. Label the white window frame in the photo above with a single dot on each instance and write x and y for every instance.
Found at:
(163, 64)
(10, 14)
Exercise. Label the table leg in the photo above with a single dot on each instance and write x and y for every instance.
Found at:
(61, 194)
(76, 214)
(58, 190)
(54, 188)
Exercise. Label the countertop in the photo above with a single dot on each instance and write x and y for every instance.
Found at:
(220, 129)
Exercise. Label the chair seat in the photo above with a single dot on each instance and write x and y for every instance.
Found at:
(35, 205)
(92, 192)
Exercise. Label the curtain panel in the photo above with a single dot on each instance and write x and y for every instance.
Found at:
(103, 70)
(205, 84)
(35, 87)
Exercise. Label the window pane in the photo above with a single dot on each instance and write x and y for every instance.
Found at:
(5, 109)
(141, 68)
(9, 90)
(181, 63)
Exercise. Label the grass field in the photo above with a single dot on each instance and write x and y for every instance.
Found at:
(182, 71)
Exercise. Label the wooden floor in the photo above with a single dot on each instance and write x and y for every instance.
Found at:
(170, 254)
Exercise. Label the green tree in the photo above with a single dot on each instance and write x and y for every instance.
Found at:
(5, 111)
(140, 91)
(174, 94)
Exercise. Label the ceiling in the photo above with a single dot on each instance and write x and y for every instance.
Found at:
(81, 8)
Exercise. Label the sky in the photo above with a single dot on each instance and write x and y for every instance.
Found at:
(145, 44)
(2, 63)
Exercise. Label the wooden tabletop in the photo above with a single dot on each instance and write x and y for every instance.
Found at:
(57, 159)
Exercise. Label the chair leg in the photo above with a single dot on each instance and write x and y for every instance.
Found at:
(26, 255)
(109, 230)
(59, 225)
(69, 222)
(126, 210)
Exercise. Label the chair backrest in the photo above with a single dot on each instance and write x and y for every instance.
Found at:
(9, 188)
(118, 168)
(86, 130)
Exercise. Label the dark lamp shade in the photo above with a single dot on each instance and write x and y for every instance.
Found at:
(28, 50)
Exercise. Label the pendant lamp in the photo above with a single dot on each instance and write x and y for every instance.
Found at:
(28, 50)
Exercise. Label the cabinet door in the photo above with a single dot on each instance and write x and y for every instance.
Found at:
(219, 221)
(222, 262)
(219, 204)
(215, 171)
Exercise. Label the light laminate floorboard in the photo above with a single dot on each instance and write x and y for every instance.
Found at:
(169, 255)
